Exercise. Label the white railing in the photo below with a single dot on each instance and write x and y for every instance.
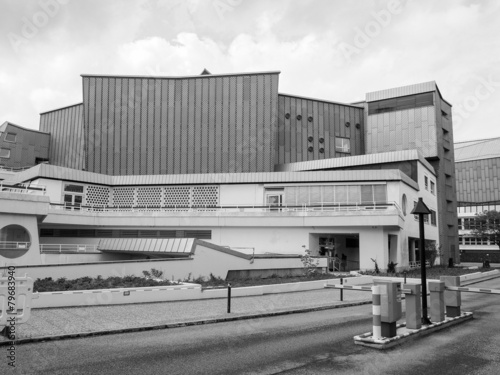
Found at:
(22, 188)
(320, 207)
(68, 248)
(11, 245)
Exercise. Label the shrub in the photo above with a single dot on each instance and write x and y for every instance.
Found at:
(391, 267)
(377, 270)
(310, 263)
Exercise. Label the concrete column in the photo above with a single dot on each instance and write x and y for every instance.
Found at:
(436, 289)
(452, 299)
(413, 307)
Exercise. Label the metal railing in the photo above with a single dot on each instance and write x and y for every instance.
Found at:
(319, 207)
(68, 248)
(416, 264)
(12, 245)
(22, 188)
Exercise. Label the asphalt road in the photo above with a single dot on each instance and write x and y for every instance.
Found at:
(310, 343)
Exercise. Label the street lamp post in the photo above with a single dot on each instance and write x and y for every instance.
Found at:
(421, 209)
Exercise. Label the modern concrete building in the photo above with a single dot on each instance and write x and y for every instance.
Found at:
(477, 169)
(229, 160)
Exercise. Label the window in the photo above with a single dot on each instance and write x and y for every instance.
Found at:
(343, 145)
(400, 103)
(404, 202)
(10, 137)
(433, 217)
(4, 153)
(433, 188)
(426, 183)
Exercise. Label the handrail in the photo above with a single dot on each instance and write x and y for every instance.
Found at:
(14, 245)
(61, 248)
(22, 188)
(321, 207)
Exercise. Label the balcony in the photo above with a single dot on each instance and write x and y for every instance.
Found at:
(328, 208)
(22, 188)
(68, 249)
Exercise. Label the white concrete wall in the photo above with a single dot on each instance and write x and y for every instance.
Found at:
(32, 256)
(54, 189)
(252, 195)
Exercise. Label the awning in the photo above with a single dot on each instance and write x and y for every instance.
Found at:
(147, 245)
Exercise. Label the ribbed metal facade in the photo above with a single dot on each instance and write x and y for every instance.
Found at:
(401, 91)
(25, 146)
(302, 122)
(478, 180)
(203, 124)
(65, 126)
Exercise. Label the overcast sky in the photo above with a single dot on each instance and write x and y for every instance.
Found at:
(333, 50)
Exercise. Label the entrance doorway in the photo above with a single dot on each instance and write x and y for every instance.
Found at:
(341, 250)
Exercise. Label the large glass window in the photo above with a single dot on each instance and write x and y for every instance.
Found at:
(343, 145)
(400, 103)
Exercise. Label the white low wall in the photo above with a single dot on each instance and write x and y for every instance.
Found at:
(186, 291)
(116, 296)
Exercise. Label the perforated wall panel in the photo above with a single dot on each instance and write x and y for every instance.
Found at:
(149, 196)
(123, 197)
(177, 196)
(97, 195)
(205, 196)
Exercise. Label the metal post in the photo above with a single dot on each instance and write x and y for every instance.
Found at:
(341, 290)
(425, 318)
(228, 298)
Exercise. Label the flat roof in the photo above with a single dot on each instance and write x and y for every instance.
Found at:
(358, 160)
(74, 175)
(477, 149)
(211, 75)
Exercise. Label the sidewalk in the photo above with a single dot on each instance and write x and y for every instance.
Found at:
(56, 323)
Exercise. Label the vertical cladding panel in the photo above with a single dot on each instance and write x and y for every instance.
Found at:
(321, 127)
(342, 120)
(143, 127)
(232, 125)
(246, 123)
(92, 125)
(239, 125)
(227, 104)
(211, 124)
(106, 126)
(124, 110)
(98, 137)
(150, 125)
(117, 128)
(184, 153)
(314, 112)
(163, 126)
(287, 133)
(218, 126)
(262, 138)
(252, 141)
(305, 110)
(191, 118)
(131, 136)
(291, 124)
(136, 131)
(171, 126)
(205, 127)
(157, 149)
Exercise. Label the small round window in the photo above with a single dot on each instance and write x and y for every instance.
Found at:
(403, 204)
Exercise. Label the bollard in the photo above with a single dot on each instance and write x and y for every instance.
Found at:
(413, 307)
(390, 306)
(341, 290)
(376, 311)
(228, 298)
(436, 289)
(452, 299)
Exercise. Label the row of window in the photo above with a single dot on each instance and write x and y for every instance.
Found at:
(125, 233)
(462, 240)
(468, 223)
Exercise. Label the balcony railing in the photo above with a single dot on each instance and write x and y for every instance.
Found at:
(11, 245)
(22, 188)
(68, 248)
(320, 207)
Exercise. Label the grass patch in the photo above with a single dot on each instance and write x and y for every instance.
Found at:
(86, 283)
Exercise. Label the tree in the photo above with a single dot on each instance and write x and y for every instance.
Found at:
(488, 226)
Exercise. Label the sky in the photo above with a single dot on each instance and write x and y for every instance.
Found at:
(335, 50)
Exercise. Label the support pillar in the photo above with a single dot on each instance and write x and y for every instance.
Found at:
(452, 299)
(413, 307)
(436, 289)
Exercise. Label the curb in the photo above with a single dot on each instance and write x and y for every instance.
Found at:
(183, 324)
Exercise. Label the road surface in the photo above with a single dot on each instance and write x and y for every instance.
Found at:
(310, 343)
